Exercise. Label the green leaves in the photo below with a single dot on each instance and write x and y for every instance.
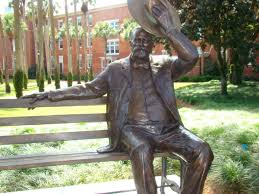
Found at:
(128, 26)
(104, 30)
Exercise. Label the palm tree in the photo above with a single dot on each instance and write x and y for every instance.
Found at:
(8, 25)
(23, 45)
(77, 49)
(46, 21)
(104, 30)
(18, 71)
(86, 29)
(69, 53)
(84, 9)
(31, 14)
(128, 26)
(5, 69)
(41, 45)
(53, 48)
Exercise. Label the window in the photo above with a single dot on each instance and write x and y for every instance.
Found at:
(60, 24)
(61, 63)
(112, 47)
(60, 43)
(114, 23)
(90, 40)
(79, 20)
(90, 20)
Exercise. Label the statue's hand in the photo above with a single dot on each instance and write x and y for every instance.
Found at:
(34, 98)
(160, 12)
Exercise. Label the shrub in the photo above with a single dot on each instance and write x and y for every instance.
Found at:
(25, 81)
(7, 88)
(18, 83)
(231, 176)
(1, 77)
(41, 81)
(69, 79)
(57, 79)
(247, 137)
(90, 75)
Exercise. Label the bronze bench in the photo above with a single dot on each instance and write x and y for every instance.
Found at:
(40, 160)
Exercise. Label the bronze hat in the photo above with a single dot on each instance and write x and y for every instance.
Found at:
(141, 11)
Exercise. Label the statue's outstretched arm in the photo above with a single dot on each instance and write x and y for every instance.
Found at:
(94, 89)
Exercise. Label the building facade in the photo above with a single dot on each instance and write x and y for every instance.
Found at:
(117, 47)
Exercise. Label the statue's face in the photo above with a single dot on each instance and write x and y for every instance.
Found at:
(141, 45)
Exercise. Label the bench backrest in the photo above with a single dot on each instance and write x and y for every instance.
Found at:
(54, 119)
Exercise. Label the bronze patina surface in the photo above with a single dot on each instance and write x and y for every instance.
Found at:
(142, 112)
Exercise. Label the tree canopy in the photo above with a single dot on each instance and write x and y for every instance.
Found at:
(229, 25)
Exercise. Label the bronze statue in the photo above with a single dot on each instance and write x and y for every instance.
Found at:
(142, 111)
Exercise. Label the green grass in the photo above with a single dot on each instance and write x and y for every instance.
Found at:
(226, 123)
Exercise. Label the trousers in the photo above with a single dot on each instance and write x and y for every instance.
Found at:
(141, 145)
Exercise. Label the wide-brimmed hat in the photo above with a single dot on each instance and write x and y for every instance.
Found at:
(141, 11)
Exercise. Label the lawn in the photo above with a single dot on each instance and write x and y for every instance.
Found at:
(229, 124)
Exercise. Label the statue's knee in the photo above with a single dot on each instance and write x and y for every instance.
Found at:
(206, 153)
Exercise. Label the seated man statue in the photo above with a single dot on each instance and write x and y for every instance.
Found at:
(142, 111)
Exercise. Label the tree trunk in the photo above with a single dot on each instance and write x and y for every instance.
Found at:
(224, 86)
(105, 56)
(85, 48)
(24, 53)
(70, 70)
(36, 50)
(18, 73)
(6, 73)
(5, 69)
(47, 50)
(77, 47)
(91, 77)
(41, 46)
(53, 48)
(222, 66)
(2, 48)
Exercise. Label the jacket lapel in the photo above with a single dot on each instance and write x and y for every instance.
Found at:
(163, 88)
(125, 69)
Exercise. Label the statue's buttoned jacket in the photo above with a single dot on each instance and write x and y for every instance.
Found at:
(115, 81)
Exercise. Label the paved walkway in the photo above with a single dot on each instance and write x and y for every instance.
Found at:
(97, 188)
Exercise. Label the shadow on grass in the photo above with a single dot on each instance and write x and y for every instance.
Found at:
(207, 95)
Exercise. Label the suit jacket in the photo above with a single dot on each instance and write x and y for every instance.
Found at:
(115, 81)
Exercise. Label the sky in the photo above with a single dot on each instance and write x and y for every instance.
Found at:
(99, 3)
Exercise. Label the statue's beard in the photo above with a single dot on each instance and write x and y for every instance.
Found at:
(140, 54)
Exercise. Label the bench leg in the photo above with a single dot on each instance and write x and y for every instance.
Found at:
(165, 182)
(163, 176)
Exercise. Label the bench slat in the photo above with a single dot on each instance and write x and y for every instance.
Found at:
(24, 103)
(31, 161)
(52, 137)
(54, 119)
